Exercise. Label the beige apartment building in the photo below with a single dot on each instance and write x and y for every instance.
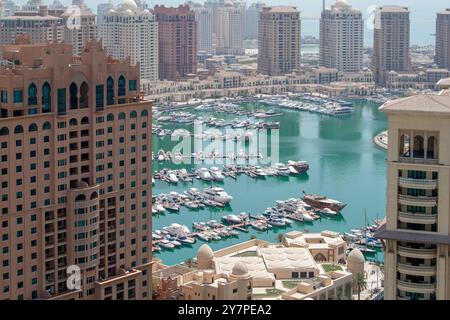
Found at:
(279, 40)
(391, 42)
(75, 171)
(342, 37)
(417, 229)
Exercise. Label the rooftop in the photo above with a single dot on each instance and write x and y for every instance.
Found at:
(281, 9)
(421, 103)
(394, 9)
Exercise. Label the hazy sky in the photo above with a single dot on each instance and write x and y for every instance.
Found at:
(423, 13)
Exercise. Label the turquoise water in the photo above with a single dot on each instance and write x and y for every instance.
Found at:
(344, 165)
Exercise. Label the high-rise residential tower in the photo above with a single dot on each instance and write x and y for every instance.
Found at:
(442, 57)
(417, 228)
(279, 41)
(80, 24)
(204, 18)
(252, 19)
(127, 31)
(39, 25)
(75, 163)
(391, 42)
(177, 30)
(102, 9)
(229, 31)
(341, 37)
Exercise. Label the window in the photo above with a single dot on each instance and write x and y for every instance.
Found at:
(73, 90)
(46, 98)
(84, 91)
(110, 91)
(4, 96)
(62, 106)
(32, 95)
(122, 89)
(18, 96)
(132, 85)
(99, 97)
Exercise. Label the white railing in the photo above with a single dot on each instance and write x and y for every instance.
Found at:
(421, 182)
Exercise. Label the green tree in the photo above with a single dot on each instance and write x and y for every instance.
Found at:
(360, 283)
(189, 262)
(280, 238)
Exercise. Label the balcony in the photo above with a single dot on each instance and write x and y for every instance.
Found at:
(419, 201)
(416, 287)
(421, 270)
(422, 253)
(421, 218)
(418, 183)
(417, 160)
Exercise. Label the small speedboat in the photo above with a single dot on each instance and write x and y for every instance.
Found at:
(328, 212)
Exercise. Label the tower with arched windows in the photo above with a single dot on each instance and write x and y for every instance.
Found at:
(75, 175)
(417, 228)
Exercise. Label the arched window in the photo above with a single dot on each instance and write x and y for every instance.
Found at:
(144, 113)
(110, 117)
(418, 147)
(404, 145)
(32, 95)
(73, 122)
(46, 98)
(4, 131)
(110, 91)
(122, 116)
(46, 126)
(80, 197)
(133, 114)
(431, 148)
(73, 96)
(94, 195)
(18, 129)
(84, 91)
(122, 91)
(33, 127)
(85, 120)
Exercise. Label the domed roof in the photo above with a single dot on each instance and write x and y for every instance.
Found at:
(130, 4)
(205, 253)
(356, 256)
(239, 269)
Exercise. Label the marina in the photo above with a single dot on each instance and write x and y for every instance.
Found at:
(216, 174)
(342, 159)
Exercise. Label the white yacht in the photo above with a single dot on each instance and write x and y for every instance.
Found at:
(205, 175)
(231, 218)
(216, 174)
(282, 169)
(217, 194)
(177, 230)
(172, 177)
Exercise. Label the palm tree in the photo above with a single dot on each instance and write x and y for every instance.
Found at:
(189, 262)
(280, 238)
(360, 283)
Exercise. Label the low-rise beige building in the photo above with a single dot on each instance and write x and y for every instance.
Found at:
(327, 246)
(256, 269)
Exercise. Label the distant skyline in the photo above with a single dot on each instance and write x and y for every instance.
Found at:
(423, 14)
